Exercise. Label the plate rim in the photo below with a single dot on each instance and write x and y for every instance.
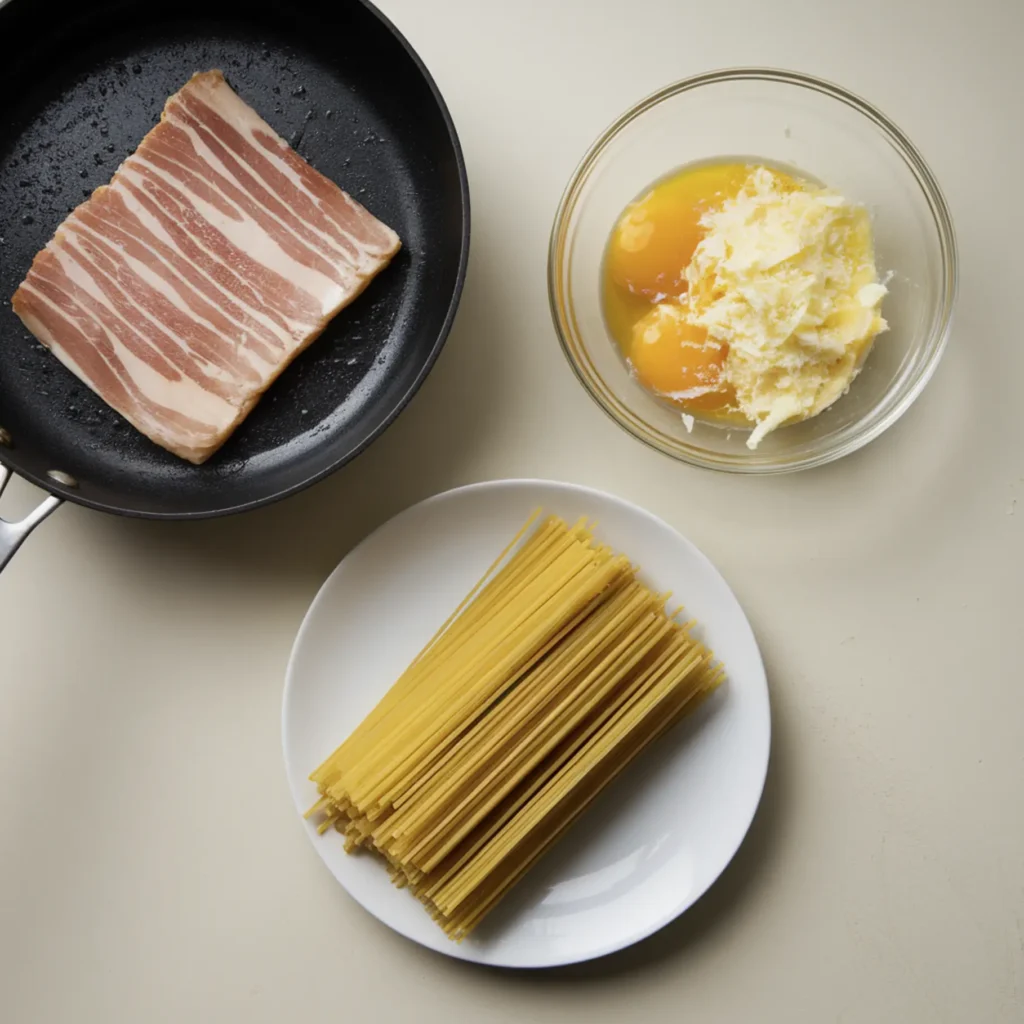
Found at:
(465, 953)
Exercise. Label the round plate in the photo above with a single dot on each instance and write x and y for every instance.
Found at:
(655, 839)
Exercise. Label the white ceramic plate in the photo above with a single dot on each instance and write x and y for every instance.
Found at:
(661, 833)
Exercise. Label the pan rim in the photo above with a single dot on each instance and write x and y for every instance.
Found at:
(72, 495)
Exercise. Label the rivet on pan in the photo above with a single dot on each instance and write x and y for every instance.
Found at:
(5, 438)
(58, 476)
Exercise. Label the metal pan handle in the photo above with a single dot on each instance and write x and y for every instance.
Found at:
(13, 534)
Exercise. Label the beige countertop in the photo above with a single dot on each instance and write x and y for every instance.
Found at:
(151, 867)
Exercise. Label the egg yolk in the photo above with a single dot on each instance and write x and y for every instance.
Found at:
(654, 239)
(644, 289)
(677, 360)
(652, 244)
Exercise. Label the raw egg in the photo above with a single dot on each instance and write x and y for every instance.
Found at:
(655, 237)
(677, 360)
(652, 245)
(648, 252)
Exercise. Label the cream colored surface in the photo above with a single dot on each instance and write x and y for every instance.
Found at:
(151, 867)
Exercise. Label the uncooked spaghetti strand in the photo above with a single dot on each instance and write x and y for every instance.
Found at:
(545, 535)
(466, 711)
(655, 670)
(572, 774)
(464, 923)
(484, 783)
(475, 804)
(534, 686)
(458, 642)
(548, 585)
(458, 712)
(542, 682)
(480, 584)
(652, 671)
(494, 856)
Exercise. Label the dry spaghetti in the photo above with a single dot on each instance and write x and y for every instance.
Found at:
(557, 669)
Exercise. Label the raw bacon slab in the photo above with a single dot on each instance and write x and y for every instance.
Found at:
(216, 254)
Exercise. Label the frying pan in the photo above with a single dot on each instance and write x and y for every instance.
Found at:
(335, 79)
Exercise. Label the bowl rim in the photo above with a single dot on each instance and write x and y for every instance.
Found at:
(561, 307)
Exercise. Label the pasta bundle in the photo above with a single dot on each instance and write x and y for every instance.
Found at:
(549, 678)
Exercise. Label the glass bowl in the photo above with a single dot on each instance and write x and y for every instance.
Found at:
(790, 120)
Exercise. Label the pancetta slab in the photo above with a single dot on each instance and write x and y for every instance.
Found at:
(216, 254)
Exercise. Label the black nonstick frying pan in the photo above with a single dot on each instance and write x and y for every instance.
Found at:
(334, 78)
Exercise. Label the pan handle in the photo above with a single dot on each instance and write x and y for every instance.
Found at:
(12, 534)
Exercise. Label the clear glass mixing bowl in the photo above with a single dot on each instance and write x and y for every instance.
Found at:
(787, 119)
